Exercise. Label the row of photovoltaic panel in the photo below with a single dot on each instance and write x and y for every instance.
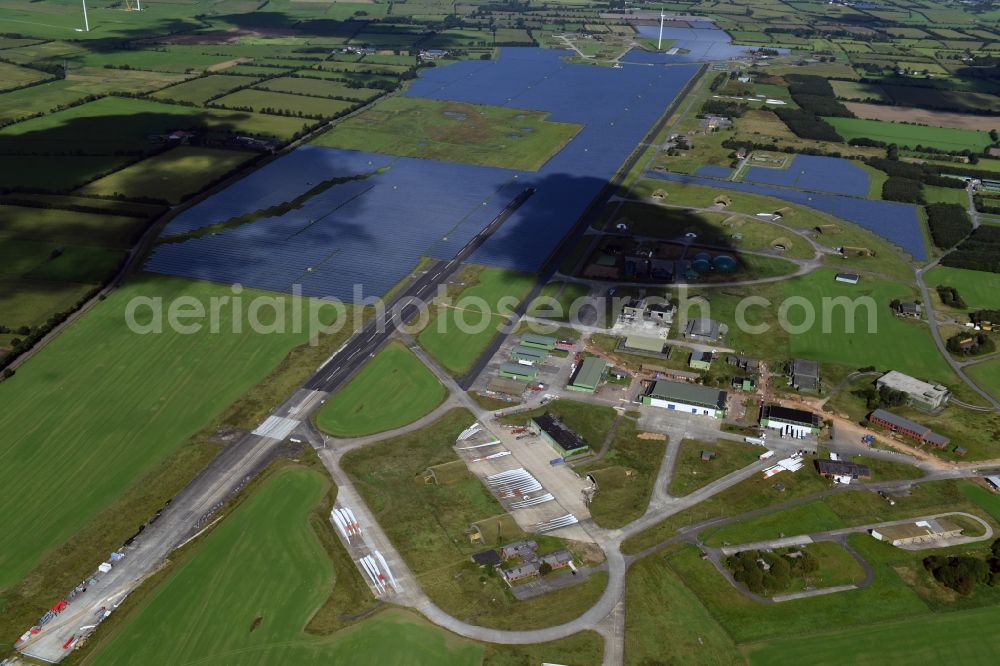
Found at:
(369, 232)
(896, 222)
(614, 123)
(279, 181)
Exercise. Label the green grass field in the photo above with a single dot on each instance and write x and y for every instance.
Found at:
(113, 124)
(692, 473)
(625, 476)
(454, 132)
(965, 637)
(457, 349)
(247, 592)
(362, 407)
(67, 227)
(896, 344)
(318, 88)
(943, 138)
(978, 289)
(171, 176)
(200, 90)
(258, 100)
(12, 76)
(125, 402)
(667, 624)
(987, 375)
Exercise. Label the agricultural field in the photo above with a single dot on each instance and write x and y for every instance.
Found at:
(112, 124)
(12, 76)
(459, 332)
(454, 132)
(65, 227)
(914, 116)
(258, 578)
(171, 176)
(204, 88)
(361, 408)
(318, 88)
(117, 423)
(263, 101)
(942, 138)
(855, 90)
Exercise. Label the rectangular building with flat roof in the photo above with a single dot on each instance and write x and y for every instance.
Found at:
(689, 398)
(589, 375)
(920, 393)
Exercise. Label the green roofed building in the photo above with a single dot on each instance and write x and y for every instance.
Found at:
(524, 373)
(538, 341)
(588, 375)
(689, 398)
(529, 354)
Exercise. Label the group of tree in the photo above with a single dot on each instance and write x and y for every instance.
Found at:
(949, 224)
(979, 252)
(971, 344)
(964, 573)
(950, 297)
(770, 572)
(721, 107)
(883, 396)
(898, 188)
(815, 97)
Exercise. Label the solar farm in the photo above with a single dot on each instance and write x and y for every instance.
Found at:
(397, 209)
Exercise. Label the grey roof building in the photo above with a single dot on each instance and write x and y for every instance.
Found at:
(921, 394)
(804, 374)
(708, 330)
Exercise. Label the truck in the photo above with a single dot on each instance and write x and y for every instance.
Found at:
(759, 441)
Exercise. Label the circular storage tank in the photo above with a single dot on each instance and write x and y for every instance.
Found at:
(702, 265)
(724, 263)
(702, 256)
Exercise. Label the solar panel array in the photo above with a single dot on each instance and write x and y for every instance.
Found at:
(367, 232)
(616, 106)
(896, 222)
(814, 173)
(372, 230)
(713, 171)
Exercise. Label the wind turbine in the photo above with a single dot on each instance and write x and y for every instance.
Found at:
(86, 23)
(659, 43)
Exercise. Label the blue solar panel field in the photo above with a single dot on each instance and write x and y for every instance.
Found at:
(372, 231)
(713, 171)
(813, 173)
(896, 222)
